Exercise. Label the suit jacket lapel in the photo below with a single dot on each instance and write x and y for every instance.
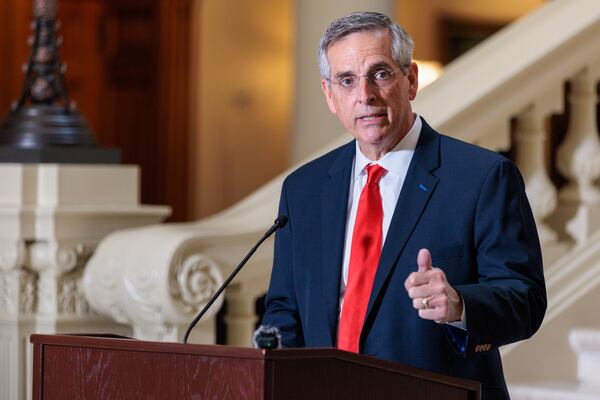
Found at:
(334, 204)
(416, 191)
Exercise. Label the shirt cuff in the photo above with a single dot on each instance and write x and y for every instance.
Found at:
(462, 323)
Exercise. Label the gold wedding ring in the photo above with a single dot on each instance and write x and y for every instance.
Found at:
(425, 303)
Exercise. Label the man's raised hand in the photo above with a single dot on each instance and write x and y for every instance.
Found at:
(431, 293)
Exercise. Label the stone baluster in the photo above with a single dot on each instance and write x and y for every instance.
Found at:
(530, 138)
(241, 316)
(578, 159)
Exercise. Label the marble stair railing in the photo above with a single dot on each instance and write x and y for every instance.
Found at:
(543, 367)
(139, 276)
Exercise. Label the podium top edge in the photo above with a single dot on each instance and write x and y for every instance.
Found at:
(116, 342)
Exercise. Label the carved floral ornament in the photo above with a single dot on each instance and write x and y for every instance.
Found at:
(60, 257)
(193, 281)
(12, 254)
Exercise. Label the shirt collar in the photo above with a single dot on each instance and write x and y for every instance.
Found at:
(396, 161)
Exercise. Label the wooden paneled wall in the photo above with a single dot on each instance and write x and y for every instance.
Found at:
(128, 70)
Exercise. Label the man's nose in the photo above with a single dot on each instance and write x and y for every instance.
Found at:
(366, 90)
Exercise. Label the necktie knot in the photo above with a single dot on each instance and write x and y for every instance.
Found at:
(374, 173)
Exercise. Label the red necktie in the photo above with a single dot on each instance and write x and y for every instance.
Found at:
(364, 257)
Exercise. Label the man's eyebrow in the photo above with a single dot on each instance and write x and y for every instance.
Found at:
(373, 67)
(344, 73)
(380, 65)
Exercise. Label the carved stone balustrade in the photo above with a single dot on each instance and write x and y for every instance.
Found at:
(51, 219)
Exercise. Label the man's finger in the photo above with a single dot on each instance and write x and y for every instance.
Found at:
(424, 260)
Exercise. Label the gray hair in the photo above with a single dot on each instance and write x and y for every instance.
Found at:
(402, 43)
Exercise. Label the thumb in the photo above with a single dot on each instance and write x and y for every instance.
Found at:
(424, 260)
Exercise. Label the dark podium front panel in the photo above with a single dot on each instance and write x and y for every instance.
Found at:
(82, 367)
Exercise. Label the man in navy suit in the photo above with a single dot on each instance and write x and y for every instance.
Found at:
(403, 244)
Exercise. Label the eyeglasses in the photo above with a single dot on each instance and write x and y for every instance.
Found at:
(381, 78)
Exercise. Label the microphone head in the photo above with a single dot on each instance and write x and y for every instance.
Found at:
(267, 337)
(281, 221)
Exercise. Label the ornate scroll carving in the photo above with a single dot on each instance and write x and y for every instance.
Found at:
(193, 281)
(150, 280)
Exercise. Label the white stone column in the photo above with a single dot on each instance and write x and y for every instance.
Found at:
(314, 126)
(578, 158)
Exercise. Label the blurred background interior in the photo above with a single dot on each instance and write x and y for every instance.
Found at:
(214, 100)
(184, 88)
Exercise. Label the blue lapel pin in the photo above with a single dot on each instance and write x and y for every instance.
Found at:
(423, 188)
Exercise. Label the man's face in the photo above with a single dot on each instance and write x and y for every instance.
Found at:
(378, 116)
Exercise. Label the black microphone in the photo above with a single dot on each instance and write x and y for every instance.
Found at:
(279, 223)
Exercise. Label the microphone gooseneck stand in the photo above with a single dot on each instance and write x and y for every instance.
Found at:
(279, 223)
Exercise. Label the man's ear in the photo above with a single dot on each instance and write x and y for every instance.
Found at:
(325, 85)
(413, 80)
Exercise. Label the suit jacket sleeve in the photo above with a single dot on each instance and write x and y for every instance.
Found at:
(508, 302)
(281, 305)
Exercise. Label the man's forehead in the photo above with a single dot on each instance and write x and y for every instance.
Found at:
(360, 50)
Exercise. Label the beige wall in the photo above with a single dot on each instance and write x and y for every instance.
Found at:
(244, 99)
(421, 18)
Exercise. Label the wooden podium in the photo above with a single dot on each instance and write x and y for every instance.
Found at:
(85, 367)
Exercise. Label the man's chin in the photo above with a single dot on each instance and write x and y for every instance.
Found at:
(374, 134)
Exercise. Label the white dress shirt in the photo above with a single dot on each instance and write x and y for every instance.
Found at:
(396, 162)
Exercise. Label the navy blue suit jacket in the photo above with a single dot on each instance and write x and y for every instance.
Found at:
(467, 206)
